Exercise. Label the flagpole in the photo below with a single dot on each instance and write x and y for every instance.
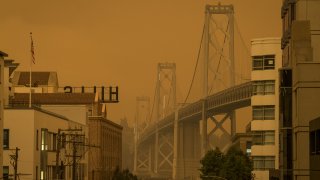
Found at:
(30, 71)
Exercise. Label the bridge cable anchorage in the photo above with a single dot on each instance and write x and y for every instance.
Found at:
(196, 66)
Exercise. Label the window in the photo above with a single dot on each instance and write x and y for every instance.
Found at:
(263, 162)
(49, 141)
(263, 112)
(54, 141)
(263, 87)
(5, 172)
(5, 138)
(248, 148)
(318, 141)
(262, 137)
(263, 62)
(44, 145)
(41, 175)
(37, 140)
(315, 142)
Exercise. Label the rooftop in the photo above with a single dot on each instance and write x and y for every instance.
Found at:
(53, 98)
(22, 78)
(3, 54)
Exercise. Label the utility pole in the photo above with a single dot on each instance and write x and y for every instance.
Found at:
(58, 153)
(14, 161)
(77, 140)
(74, 160)
(72, 140)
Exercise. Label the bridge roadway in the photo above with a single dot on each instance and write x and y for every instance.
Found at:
(222, 102)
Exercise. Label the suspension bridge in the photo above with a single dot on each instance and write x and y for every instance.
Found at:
(171, 136)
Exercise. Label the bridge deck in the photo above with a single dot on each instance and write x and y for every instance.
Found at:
(229, 99)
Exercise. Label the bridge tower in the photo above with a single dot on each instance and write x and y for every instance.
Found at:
(142, 161)
(166, 90)
(164, 105)
(142, 113)
(218, 50)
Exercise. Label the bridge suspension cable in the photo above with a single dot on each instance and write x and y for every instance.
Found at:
(224, 41)
(153, 103)
(247, 52)
(196, 65)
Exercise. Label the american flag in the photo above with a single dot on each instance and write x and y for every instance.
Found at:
(32, 50)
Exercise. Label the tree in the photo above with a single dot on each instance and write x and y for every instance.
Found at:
(235, 165)
(212, 163)
(123, 175)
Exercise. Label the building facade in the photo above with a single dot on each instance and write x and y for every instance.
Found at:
(300, 77)
(34, 133)
(104, 140)
(7, 67)
(315, 149)
(106, 154)
(266, 59)
(127, 145)
(2, 55)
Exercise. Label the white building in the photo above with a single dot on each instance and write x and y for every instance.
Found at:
(266, 59)
(39, 126)
(34, 132)
(103, 140)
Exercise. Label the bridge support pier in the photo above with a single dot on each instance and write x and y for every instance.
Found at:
(143, 160)
(233, 123)
(203, 129)
(156, 151)
(186, 157)
(176, 137)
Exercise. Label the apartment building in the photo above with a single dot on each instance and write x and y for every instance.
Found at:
(266, 59)
(315, 149)
(300, 88)
(106, 156)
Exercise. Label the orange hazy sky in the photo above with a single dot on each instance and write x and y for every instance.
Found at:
(120, 42)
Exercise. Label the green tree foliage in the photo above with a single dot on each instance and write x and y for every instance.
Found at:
(123, 175)
(235, 165)
(212, 163)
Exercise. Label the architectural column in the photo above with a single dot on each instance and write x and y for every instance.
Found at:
(135, 158)
(175, 145)
(233, 123)
(203, 129)
(156, 151)
(149, 159)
